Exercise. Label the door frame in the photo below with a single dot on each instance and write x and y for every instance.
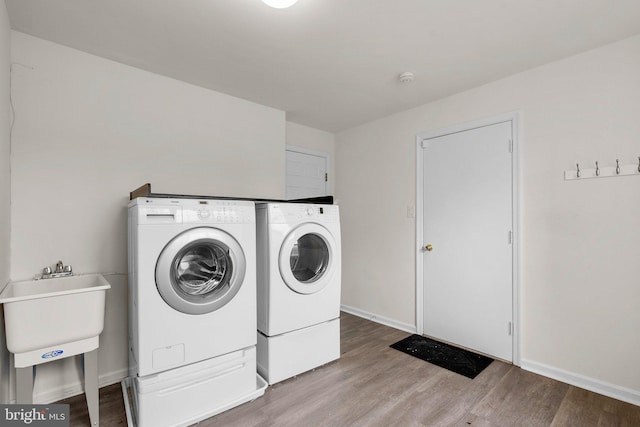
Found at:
(308, 151)
(516, 242)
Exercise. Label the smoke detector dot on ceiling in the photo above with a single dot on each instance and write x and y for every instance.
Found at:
(406, 77)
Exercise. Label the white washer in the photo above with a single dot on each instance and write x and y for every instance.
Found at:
(192, 308)
(299, 281)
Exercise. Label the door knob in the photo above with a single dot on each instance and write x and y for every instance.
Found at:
(429, 247)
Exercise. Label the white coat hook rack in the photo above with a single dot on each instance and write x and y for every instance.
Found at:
(602, 172)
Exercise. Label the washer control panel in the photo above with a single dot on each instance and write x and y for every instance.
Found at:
(193, 211)
(220, 211)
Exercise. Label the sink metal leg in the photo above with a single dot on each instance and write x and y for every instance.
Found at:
(24, 385)
(91, 386)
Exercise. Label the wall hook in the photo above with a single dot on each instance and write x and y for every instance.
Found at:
(597, 169)
(578, 168)
(617, 167)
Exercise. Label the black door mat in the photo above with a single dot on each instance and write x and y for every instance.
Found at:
(455, 359)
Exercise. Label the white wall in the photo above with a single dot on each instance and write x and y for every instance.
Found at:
(5, 185)
(87, 132)
(314, 139)
(580, 269)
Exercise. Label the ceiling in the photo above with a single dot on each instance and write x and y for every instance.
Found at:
(331, 64)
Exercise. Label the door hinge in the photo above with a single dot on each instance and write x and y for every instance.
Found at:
(510, 237)
(510, 326)
(511, 145)
(326, 177)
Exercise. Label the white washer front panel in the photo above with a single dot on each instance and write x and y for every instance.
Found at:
(162, 337)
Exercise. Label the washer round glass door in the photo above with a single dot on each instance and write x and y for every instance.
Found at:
(306, 258)
(200, 270)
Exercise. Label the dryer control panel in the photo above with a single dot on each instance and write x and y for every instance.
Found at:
(288, 213)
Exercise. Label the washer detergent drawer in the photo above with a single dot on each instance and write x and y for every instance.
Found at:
(185, 395)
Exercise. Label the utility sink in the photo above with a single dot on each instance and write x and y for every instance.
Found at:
(53, 318)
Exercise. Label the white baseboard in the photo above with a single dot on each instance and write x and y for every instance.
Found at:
(379, 319)
(73, 389)
(587, 383)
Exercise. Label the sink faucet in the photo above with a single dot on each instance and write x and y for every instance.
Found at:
(60, 270)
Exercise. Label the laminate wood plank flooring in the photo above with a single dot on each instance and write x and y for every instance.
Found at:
(374, 385)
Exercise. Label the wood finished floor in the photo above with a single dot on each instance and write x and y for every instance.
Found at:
(374, 385)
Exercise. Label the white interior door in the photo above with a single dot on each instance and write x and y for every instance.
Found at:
(468, 249)
(306, 176)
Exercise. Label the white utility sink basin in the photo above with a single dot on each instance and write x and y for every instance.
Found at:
(53, 318)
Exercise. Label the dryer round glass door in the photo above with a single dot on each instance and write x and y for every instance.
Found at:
(200, 270)
(307, 258)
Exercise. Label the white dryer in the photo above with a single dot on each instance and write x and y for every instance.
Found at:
(299, 283)
(192, 306)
